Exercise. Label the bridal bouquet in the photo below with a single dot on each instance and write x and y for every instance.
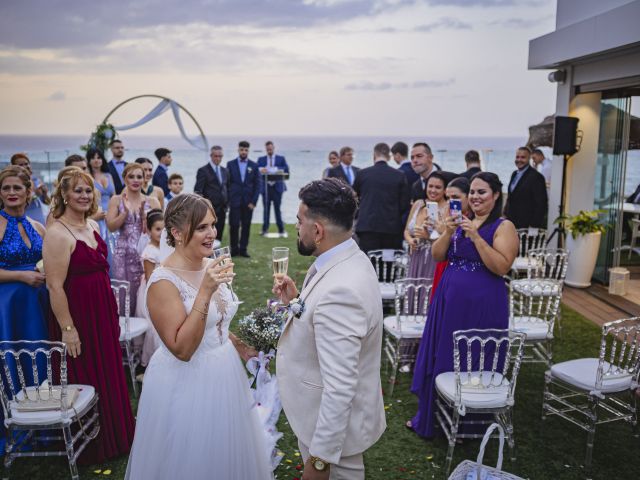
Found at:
(261, 328)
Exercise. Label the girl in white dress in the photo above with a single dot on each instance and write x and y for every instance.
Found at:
(150, 258)
(196, 417)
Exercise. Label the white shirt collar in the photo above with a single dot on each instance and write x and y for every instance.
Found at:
(323, 259)
(405, 161)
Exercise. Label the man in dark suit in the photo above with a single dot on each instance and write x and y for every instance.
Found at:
(384, 199)
(400, 152)
(527, 199)
(244, 189)
(272, 190)
(344, 171)
(422, 164)
(116, 165)
(160, 176)
(472, 159)
(212, 182)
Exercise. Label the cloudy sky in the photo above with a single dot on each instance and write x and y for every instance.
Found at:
(251, 67)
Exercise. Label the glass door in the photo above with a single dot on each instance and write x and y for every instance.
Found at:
(610, 179)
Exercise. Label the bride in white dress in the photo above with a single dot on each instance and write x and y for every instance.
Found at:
(196, 417)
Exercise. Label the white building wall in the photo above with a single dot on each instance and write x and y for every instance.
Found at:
(573, 11)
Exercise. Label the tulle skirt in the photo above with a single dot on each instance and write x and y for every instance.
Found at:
(198, 420)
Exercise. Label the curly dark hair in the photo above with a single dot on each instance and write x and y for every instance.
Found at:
(331, 199)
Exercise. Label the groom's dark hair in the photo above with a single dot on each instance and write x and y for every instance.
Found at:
(331, 199)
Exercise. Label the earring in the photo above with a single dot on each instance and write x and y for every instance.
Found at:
(179, 243)
(65, 201)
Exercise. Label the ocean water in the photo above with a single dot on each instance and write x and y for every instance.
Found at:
(306, 156)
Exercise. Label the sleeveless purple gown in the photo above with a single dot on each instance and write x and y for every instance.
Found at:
(468, 296)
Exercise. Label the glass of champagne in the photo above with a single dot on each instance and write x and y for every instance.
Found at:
(280, 260)
(218, 252)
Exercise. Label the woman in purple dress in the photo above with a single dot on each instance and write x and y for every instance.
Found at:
(472, 292)
(126, 215)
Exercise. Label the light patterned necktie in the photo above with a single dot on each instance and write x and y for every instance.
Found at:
(310, 274)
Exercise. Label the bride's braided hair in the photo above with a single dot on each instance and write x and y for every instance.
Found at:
(185, 211)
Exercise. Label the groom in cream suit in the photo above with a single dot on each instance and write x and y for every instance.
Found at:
(328, 360)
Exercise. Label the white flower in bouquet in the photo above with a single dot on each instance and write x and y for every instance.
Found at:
(261, 328)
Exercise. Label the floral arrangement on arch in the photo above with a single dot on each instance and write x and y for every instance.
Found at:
(101, 138)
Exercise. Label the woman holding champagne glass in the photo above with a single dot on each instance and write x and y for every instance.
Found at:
(197, 417)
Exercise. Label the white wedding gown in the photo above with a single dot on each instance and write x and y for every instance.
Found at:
(197, 420)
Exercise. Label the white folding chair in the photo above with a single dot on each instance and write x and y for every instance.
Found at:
(33, 412)
(130, 329)
(390, 265)
(529, 239)
(403, 330)
(590, 391)
(483, 381)
(533, 310)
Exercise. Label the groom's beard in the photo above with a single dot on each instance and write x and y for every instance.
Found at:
(305, 250)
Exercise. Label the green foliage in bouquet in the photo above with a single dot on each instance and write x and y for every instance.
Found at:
(261, 328)
(583, 223)
(101, 138)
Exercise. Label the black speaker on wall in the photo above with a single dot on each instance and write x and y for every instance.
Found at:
(564, 136)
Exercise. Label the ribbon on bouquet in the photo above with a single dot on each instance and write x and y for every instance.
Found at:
(257, 367)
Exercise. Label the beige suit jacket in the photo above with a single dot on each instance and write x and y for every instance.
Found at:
(328, 361)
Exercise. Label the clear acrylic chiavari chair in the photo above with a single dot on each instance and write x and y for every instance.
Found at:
(131, 328)
(591, 391)
(403, 330)
(37, 401)
(486, 365)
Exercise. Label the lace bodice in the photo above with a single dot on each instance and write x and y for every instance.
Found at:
(221, 309)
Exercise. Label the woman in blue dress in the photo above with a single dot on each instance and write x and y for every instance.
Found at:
(99, 170)
(21, 285)
(472, 293)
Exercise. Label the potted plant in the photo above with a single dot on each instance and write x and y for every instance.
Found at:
(586, 229)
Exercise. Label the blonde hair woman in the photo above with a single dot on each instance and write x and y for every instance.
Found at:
(84, 313)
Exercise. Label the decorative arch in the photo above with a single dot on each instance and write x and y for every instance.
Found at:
(105, 132)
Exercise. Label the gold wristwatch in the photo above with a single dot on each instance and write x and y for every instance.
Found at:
(68, 328)
(318, 464)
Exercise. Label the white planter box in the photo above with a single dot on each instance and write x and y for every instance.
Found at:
(583, 253)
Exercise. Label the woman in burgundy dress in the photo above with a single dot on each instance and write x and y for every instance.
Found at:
(84, 313)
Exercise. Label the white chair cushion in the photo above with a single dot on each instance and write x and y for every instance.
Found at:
(50, 417)
(137, 326)
(581, 373)
(411, 326)
(533, 327)
(536, 287)
(472, 396)
(387, 291)
(520, 263)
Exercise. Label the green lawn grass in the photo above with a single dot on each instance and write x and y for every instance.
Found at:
(553, 449)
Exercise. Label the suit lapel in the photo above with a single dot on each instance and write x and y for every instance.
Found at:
(335, 260)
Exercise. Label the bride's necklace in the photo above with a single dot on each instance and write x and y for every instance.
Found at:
(189, 263)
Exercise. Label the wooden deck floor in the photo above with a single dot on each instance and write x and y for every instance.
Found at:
(590, 306)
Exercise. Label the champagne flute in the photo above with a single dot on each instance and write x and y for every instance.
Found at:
(280, 260)
(218, 252)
